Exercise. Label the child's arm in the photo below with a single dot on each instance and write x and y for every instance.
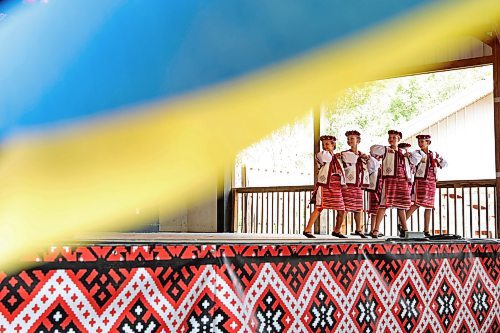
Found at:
(323, 157)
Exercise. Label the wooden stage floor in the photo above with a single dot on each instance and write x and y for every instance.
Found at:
(240, 238)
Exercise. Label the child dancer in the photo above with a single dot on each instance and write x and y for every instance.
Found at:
(357, 178)
(424, 189)
(327, 192)
(396, 170)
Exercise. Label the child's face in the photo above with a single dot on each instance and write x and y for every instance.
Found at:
(423, 144)
(393, 139)
(353, 140)
(328, 145)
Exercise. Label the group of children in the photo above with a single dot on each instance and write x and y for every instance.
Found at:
(393, 176)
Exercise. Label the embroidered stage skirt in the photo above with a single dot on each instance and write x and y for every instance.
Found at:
(396, 192)
(424, 191)
(353, 198)
(330, 197)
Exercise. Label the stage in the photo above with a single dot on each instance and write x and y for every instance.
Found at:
(255, 283)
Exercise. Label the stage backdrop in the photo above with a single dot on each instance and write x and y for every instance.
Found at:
(254, 288)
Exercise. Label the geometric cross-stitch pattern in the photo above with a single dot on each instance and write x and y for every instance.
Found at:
(382, 287)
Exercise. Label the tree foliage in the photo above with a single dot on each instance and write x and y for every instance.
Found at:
(375, 107)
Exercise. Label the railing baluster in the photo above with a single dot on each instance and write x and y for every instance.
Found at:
(271, 214)
(470, 212)
(418, 219)
(353, 222)
(255, 215)
(440, 215)
(261, 213)
(463, 211)
(487, 214)
(496, 233)
(448, 210)
(283, 213)
(277, 224)
(455, 208)
(258, 217)
(386, 230)
(391, 222)
(288, 225)
(299, 224)
(278, 231)
(328, 229)
(266, 216)
(383, 225)
(284, 227)
(479, 212)
(294, 213)
(267, 213)
(261, 220)
(365, 214)
(305, 212)
(310, 206)
(263, 207)
(433, 215)
(249, 212)
(411, 221)
(244, 209)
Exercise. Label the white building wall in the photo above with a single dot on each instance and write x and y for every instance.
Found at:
(466, 140)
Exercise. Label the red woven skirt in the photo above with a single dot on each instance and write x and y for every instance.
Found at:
(395, 191)
(330, 197)
(424, 191)
(353, 198)
(373, 202)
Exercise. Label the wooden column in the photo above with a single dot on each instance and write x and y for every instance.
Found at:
(317, 129)
(225, 201)
(496, 122)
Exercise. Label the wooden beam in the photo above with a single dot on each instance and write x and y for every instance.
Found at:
(487, 39)
(496, 123)
(444, 66)
(487, 35)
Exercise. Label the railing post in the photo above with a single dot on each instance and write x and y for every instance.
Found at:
(224, 213)
(496, 121)
(317, 129)
(235, 210)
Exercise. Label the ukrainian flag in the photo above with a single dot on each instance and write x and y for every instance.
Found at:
(106, 106)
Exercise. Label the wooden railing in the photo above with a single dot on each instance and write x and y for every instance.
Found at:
(462, 207)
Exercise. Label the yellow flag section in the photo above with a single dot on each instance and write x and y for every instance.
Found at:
(58, 185)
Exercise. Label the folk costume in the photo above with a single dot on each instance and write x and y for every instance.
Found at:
(424, 188)
(413, 168)
(327, 192)
(357, 177)
(395, 174)
(375, 188)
